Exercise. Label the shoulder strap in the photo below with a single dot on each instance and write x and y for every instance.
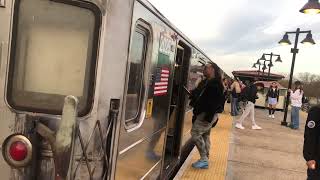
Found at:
(204, 88)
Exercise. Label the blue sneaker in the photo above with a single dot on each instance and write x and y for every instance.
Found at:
(201, 164)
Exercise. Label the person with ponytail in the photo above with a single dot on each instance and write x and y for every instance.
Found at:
(296, 96)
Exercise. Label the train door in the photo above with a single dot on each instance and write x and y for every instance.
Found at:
(177, 107)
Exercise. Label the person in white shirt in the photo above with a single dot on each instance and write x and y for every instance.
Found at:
(296, 103)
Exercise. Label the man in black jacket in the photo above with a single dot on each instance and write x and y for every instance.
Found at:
(249, 96)
(208, 100)
(311, 146)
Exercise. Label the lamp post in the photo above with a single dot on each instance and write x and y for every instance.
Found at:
(255, 66)
(271, 55)
(264, 67)
(311, 7)
(270, 60)
(285, 41)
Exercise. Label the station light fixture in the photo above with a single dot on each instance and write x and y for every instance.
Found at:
(312, 4)
(263, 58)
(278, 59)
(285, 40)
(264, 67)
(311, 7)
(258, 62)
(308, 40)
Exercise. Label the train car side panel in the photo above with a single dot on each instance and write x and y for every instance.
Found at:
(142, 139)
(6, 116)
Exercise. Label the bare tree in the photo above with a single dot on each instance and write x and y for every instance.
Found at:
(304, 77)
(311, 83)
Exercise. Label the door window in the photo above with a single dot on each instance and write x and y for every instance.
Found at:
(136, 87)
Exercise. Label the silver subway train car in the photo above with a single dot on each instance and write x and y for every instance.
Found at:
(93, 90)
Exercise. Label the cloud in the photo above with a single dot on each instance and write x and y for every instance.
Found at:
(235, 33)
(240, 33)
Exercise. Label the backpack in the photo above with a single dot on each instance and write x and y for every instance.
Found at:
(245, 92)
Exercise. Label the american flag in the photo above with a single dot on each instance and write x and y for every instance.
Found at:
(161, 82)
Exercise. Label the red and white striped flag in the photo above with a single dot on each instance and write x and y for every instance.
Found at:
(162, 81)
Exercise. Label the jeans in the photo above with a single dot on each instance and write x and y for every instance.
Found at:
(234, 106)
(249, 111)
(313, 174)
(295, 117)
(200, 134)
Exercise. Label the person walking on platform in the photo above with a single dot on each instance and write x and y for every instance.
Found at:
(226, 90)
(241, 104)
(296, 96)
(311, 146)
(235, 93)
(207, 101)
(249, 96)
(272, 98)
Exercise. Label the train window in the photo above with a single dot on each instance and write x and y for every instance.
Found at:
(53, 54)
(135, 91)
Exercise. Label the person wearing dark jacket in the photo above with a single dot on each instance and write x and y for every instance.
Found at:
(250, 96)
(207, 101)
(311, 146)
(272, 98)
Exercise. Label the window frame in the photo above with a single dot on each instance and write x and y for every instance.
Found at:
(95, 10)
(134, 123)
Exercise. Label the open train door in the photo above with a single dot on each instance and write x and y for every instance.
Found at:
(177, 108)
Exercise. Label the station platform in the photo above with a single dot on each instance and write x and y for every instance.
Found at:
(273, 153)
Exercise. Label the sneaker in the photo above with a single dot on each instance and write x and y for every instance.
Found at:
(201, 164)
(256, 127)
(272, 117)
(239, 126)
(290, 126)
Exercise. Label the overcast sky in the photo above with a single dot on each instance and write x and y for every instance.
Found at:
(235, 33)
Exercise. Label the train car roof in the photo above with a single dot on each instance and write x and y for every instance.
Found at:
(156, 12)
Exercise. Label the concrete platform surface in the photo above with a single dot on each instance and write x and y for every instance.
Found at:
(273, 153)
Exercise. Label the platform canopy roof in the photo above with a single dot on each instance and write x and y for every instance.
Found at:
(251, 74)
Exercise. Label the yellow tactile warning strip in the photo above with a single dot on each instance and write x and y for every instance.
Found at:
(218, 153)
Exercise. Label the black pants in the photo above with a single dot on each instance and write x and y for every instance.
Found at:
(313, 174)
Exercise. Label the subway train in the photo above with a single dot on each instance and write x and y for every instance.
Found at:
(93, 89)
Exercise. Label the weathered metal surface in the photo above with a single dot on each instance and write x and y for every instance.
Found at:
(62, 142)
(65, 138)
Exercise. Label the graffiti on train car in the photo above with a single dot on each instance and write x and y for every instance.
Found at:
(167, 44)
